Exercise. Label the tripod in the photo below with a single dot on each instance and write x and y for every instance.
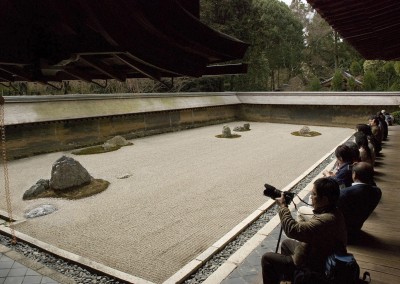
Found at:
(279, 240)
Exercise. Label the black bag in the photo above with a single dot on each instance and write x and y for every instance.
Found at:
(342, 269)
(307, 276)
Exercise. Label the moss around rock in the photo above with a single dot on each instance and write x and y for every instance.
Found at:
(232, 136)
(95, 150)
(308, 134)
(110, 145)
(94, 187)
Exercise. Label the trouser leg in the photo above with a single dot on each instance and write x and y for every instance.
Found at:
(288, 246)
(274, 266)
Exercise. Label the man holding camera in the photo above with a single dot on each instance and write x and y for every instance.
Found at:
(311, 241)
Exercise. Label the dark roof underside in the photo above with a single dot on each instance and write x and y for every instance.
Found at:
(47, 40)
(372, 27)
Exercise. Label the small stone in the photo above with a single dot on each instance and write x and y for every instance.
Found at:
(226, 132)
(124, 176)
(305, 130)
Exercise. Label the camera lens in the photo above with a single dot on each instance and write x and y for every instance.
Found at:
(271, 191)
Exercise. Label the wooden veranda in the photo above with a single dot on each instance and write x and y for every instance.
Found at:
(379, 249)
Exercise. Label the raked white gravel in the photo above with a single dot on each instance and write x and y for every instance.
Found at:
(181, 192)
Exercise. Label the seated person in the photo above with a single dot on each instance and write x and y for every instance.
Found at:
(311, 241)
(366, 155)
(388, 117)
(358, 201)
(383, 125)
(375, 129)
(372, 141)
(342, 173)
(355, 150)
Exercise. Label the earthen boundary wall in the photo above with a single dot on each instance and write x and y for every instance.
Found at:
(40, 124)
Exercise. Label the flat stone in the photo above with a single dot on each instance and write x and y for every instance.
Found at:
(42, 210)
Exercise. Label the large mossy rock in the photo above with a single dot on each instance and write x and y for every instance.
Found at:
(67, 172)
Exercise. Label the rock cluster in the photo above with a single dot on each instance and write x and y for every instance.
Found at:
(245, 127)
(66, 174)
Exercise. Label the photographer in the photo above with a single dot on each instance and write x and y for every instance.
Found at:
(311, 241)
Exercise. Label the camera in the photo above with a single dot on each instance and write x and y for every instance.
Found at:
(272, 192)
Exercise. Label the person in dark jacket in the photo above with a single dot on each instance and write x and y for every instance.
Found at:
(311, 241)
(383, 124)
(342, 172)
(376, 129)
(358, 201)
(366, 129)
(366, 155)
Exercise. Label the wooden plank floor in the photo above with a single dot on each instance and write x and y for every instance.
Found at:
(379, 248)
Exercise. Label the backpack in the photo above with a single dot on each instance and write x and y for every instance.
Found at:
(342, 268)
(306, 276)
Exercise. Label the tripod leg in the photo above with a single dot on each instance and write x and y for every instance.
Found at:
(279, 240)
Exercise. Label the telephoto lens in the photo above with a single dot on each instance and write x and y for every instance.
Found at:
(274, 193)
(271, 191)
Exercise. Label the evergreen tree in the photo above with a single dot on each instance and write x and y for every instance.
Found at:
(370, 81)
(315, 85)
(272, 30)
(337, 81)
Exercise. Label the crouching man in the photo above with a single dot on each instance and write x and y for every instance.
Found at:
(312, 241)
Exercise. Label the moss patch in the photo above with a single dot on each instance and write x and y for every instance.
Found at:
(232, 136)
(241, 130)
(309, 134)
(95, 150)
(94, 187)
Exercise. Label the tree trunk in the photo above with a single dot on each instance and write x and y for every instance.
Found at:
(336, 50)
(272, 80)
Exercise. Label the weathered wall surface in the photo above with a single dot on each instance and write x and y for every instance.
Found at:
(45, 124)
(343, 116)
(42, 137)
